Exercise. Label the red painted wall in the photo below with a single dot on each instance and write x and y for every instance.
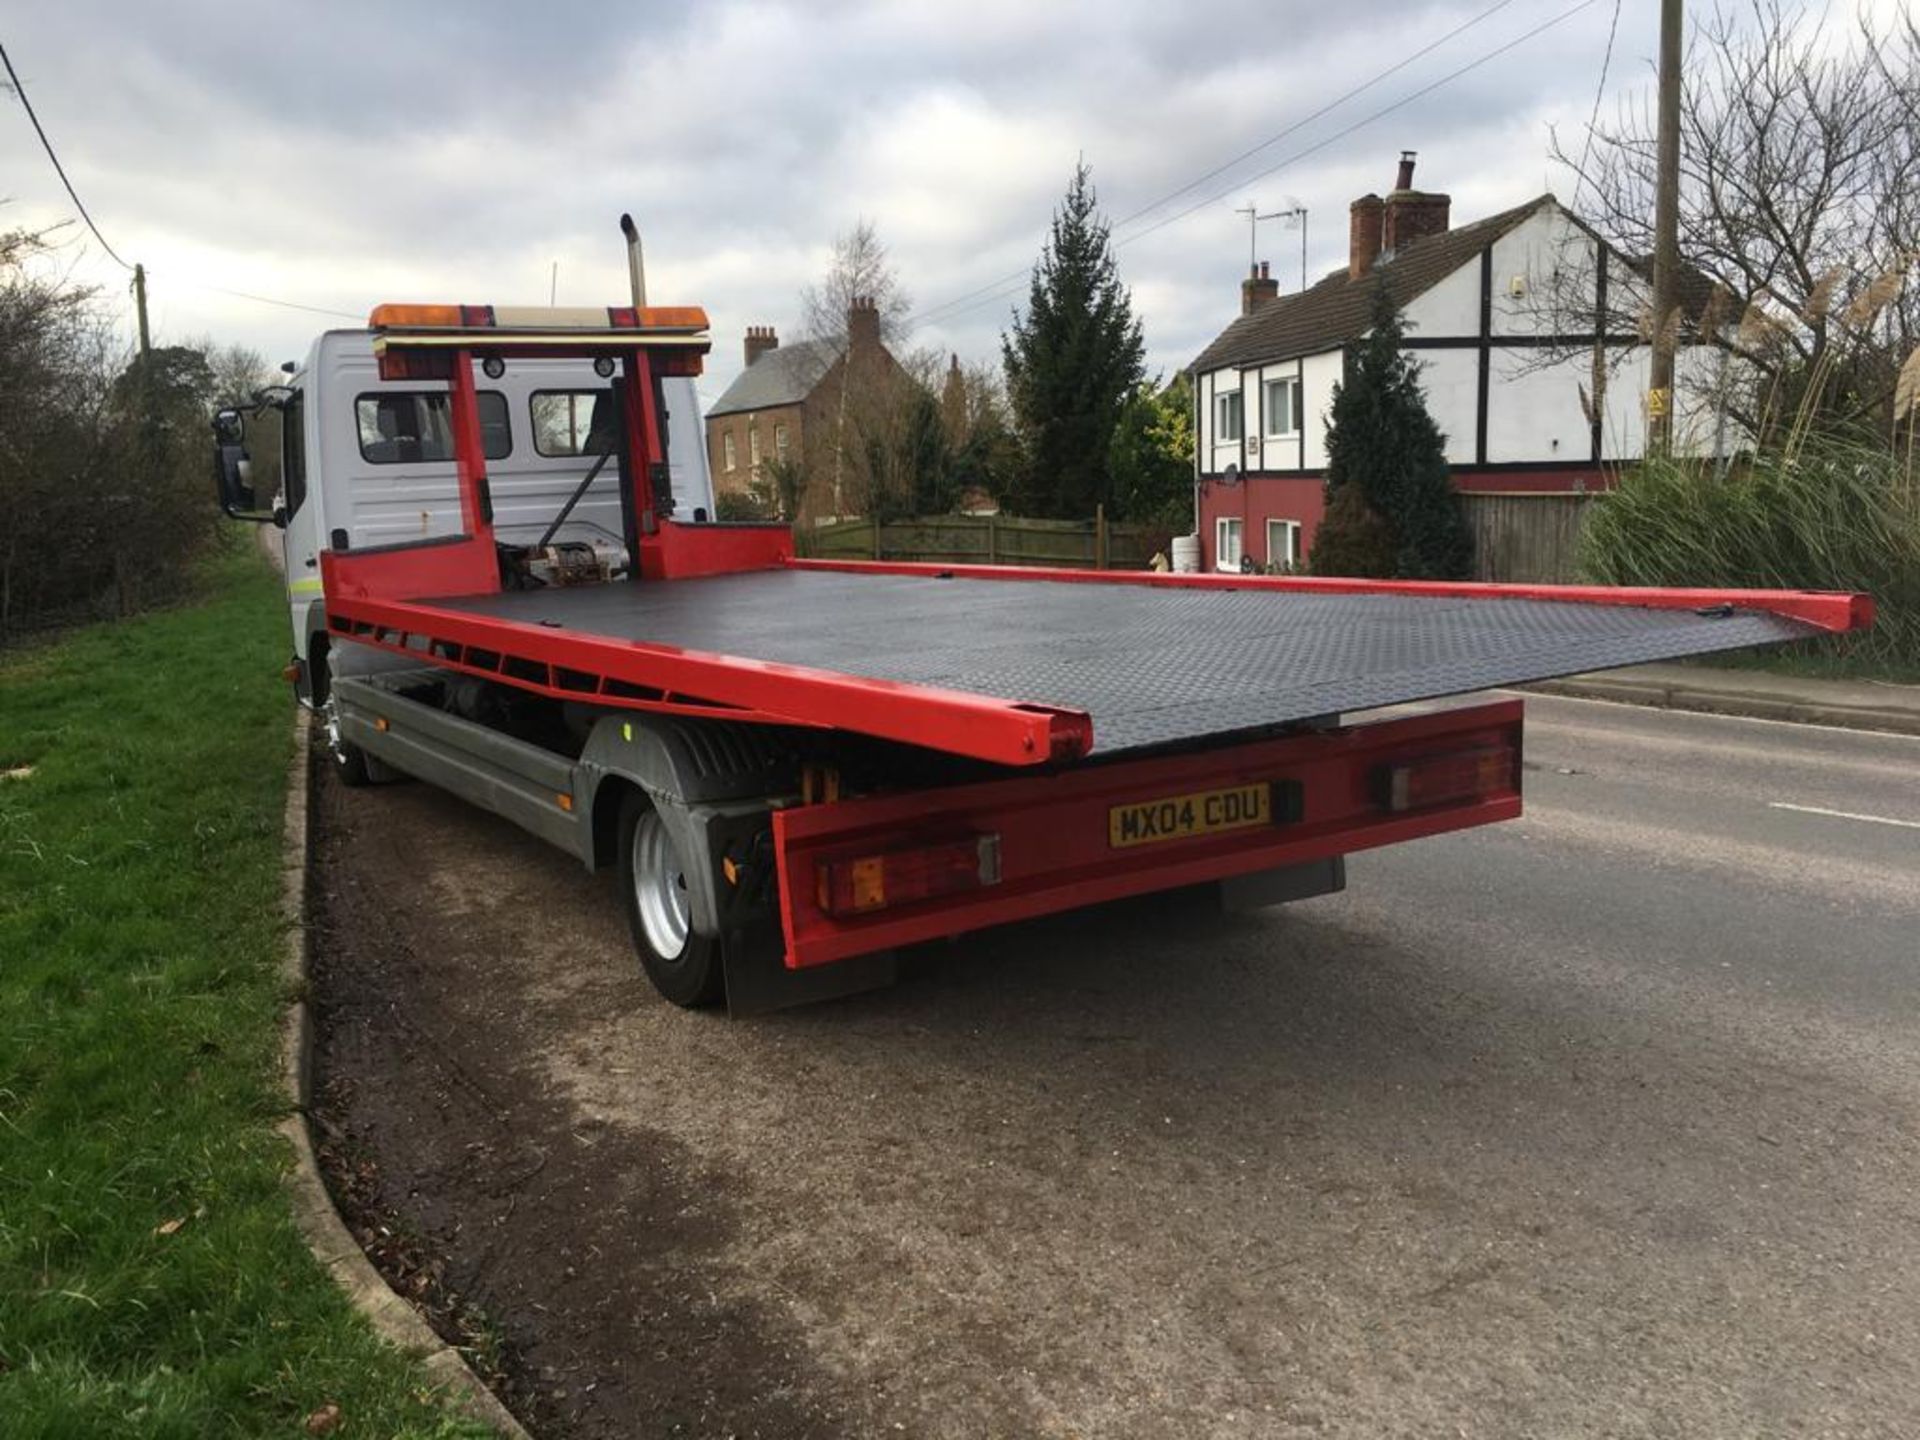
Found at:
(1257, 500)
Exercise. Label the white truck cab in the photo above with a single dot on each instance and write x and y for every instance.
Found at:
(368, 463)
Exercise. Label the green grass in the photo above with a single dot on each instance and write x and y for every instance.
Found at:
(152, 1281)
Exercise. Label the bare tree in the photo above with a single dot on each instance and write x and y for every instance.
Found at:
(869, 391)
(238, 370)
(1799, 209)
(860, 268)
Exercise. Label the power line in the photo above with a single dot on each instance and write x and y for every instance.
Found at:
(1006, 288)
(58, 169)
(996, 286)
(1593, 120)
(1366, 120)
(1306, 120)
(283, 304)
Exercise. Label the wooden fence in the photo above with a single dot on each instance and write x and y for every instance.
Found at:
(986, 540)
(1518, 539)
(1526, 539)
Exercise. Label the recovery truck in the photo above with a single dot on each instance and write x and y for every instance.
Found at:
(795, 767)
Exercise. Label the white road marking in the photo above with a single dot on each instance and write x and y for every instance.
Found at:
(1844, 814)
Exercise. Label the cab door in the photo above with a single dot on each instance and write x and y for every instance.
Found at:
(300, 539)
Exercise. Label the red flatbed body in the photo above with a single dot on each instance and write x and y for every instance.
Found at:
(1024, 667)
(1016, 667)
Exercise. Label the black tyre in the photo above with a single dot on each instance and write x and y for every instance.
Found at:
(683, 966)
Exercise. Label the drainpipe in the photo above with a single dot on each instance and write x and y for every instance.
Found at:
(1196, 466)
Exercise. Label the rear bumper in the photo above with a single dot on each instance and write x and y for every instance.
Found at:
(1060, 841)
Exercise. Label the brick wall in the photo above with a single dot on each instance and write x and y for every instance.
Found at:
(742, 426)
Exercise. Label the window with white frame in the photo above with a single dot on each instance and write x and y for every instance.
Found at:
(753, 447)
(1283, 407)
(1227, 532)
(780, 442)
(1283, 543)
(726, 447)
(1226, 418)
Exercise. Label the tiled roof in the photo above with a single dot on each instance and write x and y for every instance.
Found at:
(1339, 308)
(785, 375)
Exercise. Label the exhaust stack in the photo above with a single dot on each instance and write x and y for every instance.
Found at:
(636, 266)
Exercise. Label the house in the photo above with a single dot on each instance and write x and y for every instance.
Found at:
(1500, 314)
(801, 403)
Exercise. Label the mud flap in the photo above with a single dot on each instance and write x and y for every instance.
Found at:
(752, 951)
(758, 979)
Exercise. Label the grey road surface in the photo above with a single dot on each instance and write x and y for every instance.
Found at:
(1603, 1122)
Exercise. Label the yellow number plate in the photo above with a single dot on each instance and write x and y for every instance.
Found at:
(1181, 817)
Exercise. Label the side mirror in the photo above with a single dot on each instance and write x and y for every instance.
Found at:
(233, 480)
(229, 427)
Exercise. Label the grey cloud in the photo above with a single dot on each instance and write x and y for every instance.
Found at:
(343, 154)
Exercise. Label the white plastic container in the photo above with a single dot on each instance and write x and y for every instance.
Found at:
(1186, 554)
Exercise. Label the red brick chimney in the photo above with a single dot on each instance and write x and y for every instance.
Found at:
(863, 324)
(1412, 214)
(1257, 289)
(1363, 233)
(760, 339)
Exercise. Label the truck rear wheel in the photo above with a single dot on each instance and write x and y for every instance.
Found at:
(684, 966)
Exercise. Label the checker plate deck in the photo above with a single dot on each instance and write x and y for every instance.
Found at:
(1152, 666)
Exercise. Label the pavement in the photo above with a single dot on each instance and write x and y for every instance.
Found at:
(1605, 1121)
(1854, 704)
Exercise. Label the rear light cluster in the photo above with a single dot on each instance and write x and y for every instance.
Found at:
(1448, 779)
(862, 883)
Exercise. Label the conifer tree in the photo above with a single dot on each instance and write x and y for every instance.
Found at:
(1391, 506)
(1072, 360)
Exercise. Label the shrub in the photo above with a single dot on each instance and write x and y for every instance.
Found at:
(1382, 442)
(1834, 515)
(1354, 540)
(742, 505)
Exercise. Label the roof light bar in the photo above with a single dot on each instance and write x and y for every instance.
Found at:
(514, 320)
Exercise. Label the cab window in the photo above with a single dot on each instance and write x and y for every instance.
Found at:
(412, 427)
(571, 422)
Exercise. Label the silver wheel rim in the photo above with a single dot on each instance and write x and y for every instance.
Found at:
(659, 888)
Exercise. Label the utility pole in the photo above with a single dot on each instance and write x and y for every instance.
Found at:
(140, 308)
(1666, 235)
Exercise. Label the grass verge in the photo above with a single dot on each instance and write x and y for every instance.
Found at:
(152, 1281)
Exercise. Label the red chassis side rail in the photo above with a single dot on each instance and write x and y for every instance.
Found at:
(1834, 610)
(1056, 851)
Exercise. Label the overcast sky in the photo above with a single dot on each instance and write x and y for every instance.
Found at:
(343, 154)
